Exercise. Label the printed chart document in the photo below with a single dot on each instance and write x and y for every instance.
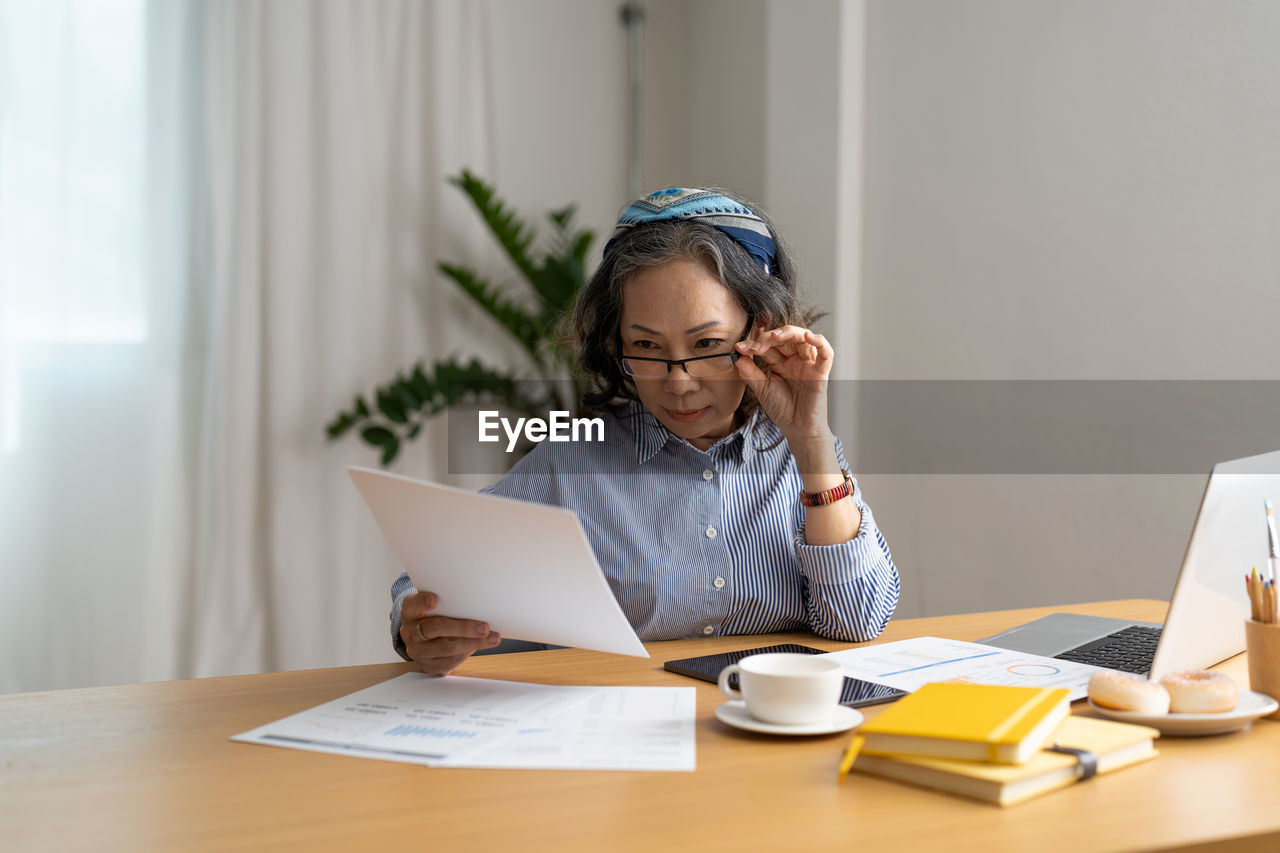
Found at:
(526, 569)
(416, 718)
(480, 722)
(617, 728)
(910, 664)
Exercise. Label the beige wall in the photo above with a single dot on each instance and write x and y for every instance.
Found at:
(1082, 190)
(559, 105)
(705, 78)
(1065, 190)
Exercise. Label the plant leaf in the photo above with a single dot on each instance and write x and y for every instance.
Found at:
(512, 233)
(562, 271)
(421, 386)
(581, 245)
(377, 436)
(404, 392)
(389, 451)
(562, 218)
(561, 277)
(339, 425)
(474, 381)
(392, 408)
(526, 329)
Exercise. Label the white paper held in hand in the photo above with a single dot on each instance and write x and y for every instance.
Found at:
(525, 568)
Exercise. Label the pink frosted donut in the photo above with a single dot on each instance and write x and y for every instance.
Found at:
(1200, 691)
(1123, 692)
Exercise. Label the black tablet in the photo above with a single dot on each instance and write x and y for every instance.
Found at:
(707, 667)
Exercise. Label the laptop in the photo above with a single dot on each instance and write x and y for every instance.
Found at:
(1205, 622)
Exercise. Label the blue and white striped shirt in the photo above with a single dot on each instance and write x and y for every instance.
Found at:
(698, 543)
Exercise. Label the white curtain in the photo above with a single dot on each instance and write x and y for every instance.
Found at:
(227, 257)
(92, 237)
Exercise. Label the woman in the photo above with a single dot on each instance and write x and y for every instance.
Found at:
(720, 501)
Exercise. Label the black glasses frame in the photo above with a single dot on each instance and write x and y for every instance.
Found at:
(672, 362)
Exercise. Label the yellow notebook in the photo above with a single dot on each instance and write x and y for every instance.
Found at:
(1116, 745)
(979, 722)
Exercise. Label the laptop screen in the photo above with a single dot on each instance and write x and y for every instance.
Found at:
(1209, 606)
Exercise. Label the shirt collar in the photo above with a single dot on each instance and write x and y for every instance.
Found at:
(651, 436)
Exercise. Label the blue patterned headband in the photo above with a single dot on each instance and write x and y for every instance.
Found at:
(740, 223)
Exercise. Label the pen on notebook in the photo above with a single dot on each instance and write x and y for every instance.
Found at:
(1273, 562)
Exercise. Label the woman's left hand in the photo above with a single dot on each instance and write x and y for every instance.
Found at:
(794, 391)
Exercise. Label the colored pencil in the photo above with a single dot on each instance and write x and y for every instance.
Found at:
(1255, 594)
(1273, 541)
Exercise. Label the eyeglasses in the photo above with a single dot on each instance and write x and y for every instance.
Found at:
(699, 367)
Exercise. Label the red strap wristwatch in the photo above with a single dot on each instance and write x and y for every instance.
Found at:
(830, 496)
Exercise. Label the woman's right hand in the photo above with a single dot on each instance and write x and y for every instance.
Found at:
(438, 644)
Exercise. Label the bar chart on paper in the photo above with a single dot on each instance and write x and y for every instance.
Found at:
(429, 732)
(416, 718)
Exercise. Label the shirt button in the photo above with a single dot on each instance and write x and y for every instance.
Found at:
(711, 533)
(718, 583)
(708, 474)
(709, 630)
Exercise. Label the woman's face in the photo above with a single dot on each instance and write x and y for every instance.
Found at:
(681, 310)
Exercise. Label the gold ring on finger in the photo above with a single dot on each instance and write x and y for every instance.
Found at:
(424, 639)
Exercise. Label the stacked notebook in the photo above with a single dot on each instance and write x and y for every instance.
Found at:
(1000, 744)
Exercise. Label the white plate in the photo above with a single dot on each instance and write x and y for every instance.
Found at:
(735, 714)
(1251, 707)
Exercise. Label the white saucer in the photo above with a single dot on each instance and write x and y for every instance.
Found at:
(735, 714)
(1252, 706)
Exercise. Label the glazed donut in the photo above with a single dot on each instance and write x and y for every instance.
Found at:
(1200, 691)
(1123, 692)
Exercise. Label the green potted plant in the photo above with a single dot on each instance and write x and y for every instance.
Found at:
(554, 273)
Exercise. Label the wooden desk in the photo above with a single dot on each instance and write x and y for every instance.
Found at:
(149, 766)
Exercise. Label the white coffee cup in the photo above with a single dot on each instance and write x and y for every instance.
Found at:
(786, 688)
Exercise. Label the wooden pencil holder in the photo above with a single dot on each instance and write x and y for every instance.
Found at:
(1263, 642)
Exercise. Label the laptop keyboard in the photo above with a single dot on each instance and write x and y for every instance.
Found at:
(1129, 650)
